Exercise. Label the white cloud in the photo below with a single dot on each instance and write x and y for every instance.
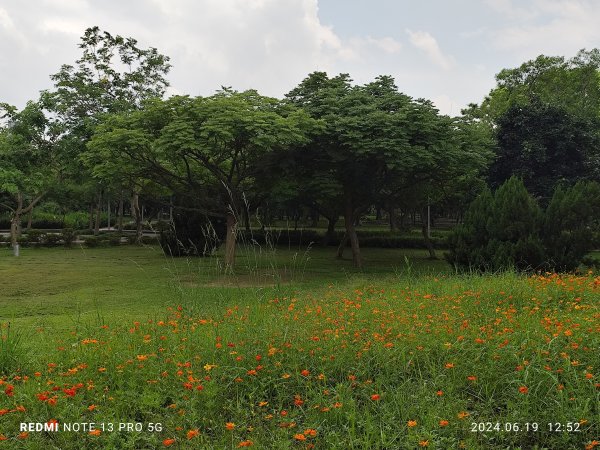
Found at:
(557, 27)
(427, 43)
(387, 44)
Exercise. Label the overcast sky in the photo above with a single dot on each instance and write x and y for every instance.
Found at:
(447, 51)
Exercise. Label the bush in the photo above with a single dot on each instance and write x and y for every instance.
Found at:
(77, 219)
(51, 239)
(34, 236)
(571, 225)
(509, 230)
(499, 232)
(112, 239)
(192, 234)
(91, 241)
(68, 236)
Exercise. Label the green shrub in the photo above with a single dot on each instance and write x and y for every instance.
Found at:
(51, 239)
(68, 236)
(500, 231)
(77, 219)
(91, 241)
(34, 236)
(571, 225)
(509, 230)
(112, 239)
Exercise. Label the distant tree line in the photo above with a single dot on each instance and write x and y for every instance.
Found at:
(105, 132)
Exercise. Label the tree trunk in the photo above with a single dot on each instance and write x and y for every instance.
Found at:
(342, 246)
(15, 220)
(378, 213)
(349, 218)
(108, 213)
(97, 212)
(120, 213)
(15, 231)
(135, 209)
(230, 241)
(29, 218)
(246, 215)
(428, 242)
(91, 221)
(392, 214)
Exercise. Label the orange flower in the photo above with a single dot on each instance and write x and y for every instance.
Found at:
(299, 437)
(424, 443)
(95, 433)
(449, 365)
(168, 442)
(91, 407)
(472, 378)
(263, 403)
(439, 393)
(143, 358)
(245, 444)
(411, 423)
(3, 438)
(592, 444)
(444, 423)
(192, 433)
(589, 376)
(463, 414)
(375, 397)
(230, 426)
(310, 432)
(523, 389)
(23, 435)
(305, 373)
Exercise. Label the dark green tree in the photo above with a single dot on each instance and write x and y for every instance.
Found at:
(545, 146)
(502, 233)
(572, 224)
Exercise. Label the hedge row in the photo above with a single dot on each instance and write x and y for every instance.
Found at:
(366, 239)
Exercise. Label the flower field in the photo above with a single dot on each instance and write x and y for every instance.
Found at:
(449, 362)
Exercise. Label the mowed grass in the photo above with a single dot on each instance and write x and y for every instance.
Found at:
(296, 350)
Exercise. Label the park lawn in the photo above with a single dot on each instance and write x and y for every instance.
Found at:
(60, 285)
(295, 351)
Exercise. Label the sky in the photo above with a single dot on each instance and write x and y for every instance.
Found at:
(447, 51)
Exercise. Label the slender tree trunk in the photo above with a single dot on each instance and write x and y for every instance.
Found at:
(97, 212)
(392, 214)
(230, 241)
(120, 213)
(349, 218)
(246, 215)
(91, 221)
(378, 213)
(425, 234)
(15, 220)
(29, 219)
(135, 209)
(108, 212)
(342, 246)
(15, 231)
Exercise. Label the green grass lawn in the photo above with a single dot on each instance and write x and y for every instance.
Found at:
(57, 285)
(296, 350)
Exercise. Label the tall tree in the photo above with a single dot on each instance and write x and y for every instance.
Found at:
(30, 161)
(208, 145)
(113, 75)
